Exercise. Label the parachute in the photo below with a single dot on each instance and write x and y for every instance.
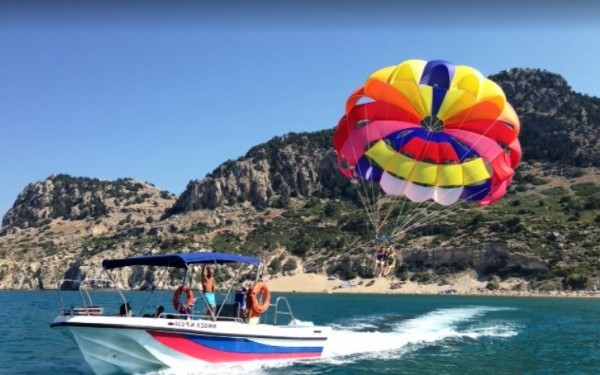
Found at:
(428, 132)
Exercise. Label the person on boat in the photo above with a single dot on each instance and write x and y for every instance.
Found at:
(240, 299)
(183, 307)
(125, 310)
(159, 310)
(208, 287)
(258, 299)
(248, 304)
(389, 261)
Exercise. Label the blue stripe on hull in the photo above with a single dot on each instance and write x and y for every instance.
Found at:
(243, 345)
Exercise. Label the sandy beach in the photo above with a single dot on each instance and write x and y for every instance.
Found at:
(464, 284)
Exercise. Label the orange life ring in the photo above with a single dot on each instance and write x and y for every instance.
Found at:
(189, 295)
(254, 305)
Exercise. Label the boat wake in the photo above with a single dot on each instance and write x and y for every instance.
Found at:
(386, 337)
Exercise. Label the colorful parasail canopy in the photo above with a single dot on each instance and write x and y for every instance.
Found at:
(430, 130)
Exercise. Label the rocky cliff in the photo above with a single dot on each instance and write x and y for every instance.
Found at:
(294, 165)
(69, 198)
(485, 259)
(558, 125)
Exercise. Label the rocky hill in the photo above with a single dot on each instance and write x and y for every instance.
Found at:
(558, 124)
(294, 165)
(73, 199)
(286, 202)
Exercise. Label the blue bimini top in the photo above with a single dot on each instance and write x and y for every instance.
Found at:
(179, 260)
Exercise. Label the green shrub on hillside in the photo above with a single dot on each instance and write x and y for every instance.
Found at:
(422, 277)
(585, 189)
(331, 209)
(275, 266)
(531, 179)
(289, 265)
(556, 191)
(576, 281)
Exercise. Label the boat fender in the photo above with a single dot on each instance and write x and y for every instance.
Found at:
(252, 301)
(189, 295)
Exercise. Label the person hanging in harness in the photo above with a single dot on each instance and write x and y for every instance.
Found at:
(380, 260)
(389, 261)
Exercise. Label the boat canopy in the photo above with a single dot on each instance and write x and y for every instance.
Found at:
(179, 260)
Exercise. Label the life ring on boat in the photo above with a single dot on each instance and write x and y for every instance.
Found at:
(189, 302)
(253, 306)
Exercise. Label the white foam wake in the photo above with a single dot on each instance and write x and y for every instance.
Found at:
(432, 327)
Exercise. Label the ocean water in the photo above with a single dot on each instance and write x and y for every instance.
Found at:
(372, 334)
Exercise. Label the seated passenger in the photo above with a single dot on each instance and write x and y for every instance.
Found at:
(125, 310)
(159, 310)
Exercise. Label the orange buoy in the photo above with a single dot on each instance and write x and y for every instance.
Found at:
(253, 306)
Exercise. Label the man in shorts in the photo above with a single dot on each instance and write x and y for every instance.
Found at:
(208, 287)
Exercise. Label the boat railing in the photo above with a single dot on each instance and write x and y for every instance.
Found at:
(285, 310)
(84, 287)
(224, 312)
(280, 308)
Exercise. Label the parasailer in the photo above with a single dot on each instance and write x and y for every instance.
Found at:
(428, 131)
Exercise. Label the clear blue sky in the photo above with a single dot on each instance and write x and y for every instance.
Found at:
(166, 92)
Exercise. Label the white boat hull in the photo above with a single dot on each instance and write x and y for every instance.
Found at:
(137, 345)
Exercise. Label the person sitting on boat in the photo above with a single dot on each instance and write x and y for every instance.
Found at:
(125, 310)
(159, 310)
(208, 287)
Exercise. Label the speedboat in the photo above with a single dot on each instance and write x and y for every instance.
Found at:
(243, 325)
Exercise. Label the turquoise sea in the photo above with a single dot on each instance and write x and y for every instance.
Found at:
(373, 334)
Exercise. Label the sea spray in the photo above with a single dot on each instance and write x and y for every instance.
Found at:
(409, 334)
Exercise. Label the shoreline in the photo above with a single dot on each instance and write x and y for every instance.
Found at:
(464, 285)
